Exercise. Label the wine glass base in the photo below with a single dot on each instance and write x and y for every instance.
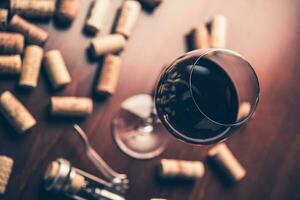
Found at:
(132, 131)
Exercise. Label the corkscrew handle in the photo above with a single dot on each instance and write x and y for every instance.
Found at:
(116, 178)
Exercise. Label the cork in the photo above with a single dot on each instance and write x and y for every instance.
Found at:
(56, 69)
(6, 165)
(108, 79)
(200, 37)
(218, 31)
(14, 111)
(113, 43)
(129, 15)
(67, 10)
(31, 66)
(71, 106)
(77, 182)
(32, 33)
(151, 4)
(3, 18)
(181, 169)
(97, 15)
(10, 64)
(11, 43)
(52, 171)
(226, 161)
(244, 111)
(33, 9)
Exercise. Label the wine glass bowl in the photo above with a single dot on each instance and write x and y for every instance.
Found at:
(199, 98)
(205, 93)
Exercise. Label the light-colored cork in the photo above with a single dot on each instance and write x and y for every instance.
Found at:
(52, 171)
(11, 43)
(181, 169)
(56, 69)
(16, 113)
(71, 106)
(97, 15)
(77, 183)
(10, 64)
(32, 33)
(31, 66)
(129, 15)
(113, 43)
(244, 110)
(201, 39)
(109, 76)
(67, 10)
(218, 31)
(33, 9)
(6, 165)
(226, 161)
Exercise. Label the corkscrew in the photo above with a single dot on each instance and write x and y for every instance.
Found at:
(119, 181)
(80, 185)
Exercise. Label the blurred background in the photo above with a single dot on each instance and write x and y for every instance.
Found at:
(266, 33)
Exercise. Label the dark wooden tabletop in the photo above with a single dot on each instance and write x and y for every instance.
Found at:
(265, 32)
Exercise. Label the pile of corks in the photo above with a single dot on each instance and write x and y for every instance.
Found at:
(220, 157)
(209, 35)
(21, 53)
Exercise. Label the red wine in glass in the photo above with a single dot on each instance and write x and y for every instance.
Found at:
(199, 98)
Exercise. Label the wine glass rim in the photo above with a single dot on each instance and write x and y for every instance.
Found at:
(192, 94)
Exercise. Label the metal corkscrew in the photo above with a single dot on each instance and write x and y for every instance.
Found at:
(80, 185)
(119, 181)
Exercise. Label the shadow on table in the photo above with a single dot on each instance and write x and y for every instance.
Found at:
(220, 174)
(44, 195)
(9, 131)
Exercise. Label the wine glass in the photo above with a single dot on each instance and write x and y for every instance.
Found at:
(199, 98)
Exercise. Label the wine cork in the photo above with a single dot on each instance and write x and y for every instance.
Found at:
(67, 10)
(33, 9)
(107, 44)
(77, 182)
(225, 160)
(52, 171)
(10, 64)
(71, 106)
(11, 43)
(14, 111)
(244, 110)
(201, 37)
(218, 31)
(181, 169)
(3, 18)
(32, 33)
(56, 69)
(129, 15)
(6, 165)
(31, 66)
(97, 16)
(151, 4)
(108, 79)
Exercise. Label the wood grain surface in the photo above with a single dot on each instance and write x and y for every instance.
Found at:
(265, 32)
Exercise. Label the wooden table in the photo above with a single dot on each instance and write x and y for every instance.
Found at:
(265, 32)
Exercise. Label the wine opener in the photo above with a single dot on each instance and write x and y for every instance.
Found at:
(80, 185)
